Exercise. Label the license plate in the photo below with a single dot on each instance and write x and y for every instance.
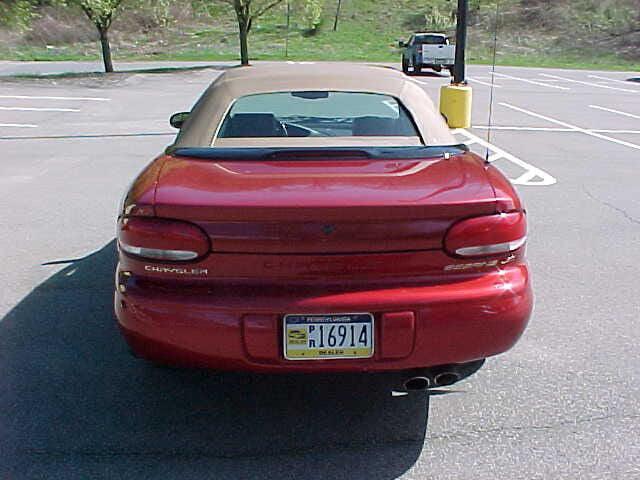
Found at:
(438, 61)
(330, 336)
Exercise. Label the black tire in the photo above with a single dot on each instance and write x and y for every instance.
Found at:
(405, 65)
(437, 69)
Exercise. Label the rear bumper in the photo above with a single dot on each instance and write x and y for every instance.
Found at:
(415, 326)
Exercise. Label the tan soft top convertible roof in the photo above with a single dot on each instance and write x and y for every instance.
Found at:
(200, 128)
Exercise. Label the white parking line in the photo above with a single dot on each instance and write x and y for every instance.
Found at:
(18, 125)
(29, 97)
(598, 107)
(590, 84)
(34, 109)
(525, 129)
(591, 133)
(424, 82)
(392, 105)
(609, 79)
(598, 130)
(531, 172)
(475, 80)
(533, 82)
(552, 129)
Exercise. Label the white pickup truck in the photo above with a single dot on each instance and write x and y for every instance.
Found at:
(427, 50)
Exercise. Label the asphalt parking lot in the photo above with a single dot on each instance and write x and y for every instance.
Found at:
(564, 403)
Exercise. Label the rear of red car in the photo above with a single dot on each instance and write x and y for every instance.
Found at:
(316, 260)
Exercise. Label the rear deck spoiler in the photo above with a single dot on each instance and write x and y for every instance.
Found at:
(314, 153)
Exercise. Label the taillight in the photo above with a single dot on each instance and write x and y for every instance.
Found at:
(161, 239)
(487, 235)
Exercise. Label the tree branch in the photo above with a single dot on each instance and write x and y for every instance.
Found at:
(268, 7)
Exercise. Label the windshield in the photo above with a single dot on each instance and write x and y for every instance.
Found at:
(319, 114)
(430, 40)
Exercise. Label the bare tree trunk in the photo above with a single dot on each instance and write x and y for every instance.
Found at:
(243, 15)
(106, 49)
(244, 44)
(335, 22)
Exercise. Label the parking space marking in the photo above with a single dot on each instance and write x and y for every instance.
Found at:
(598, 107)
(533, 176)
(18, 125)
(525, 129)
(34, 109)
(38, 97)
(393, 106)
(552, 129)
(475, 80)
(590, 84)
(87, 136)
(533, 82)
(424, 82)
(591, 133)
(610, 130)
(615, 80)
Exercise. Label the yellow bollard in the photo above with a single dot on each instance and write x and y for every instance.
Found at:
(455, 105)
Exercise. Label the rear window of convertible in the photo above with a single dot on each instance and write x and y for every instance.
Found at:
(317, 115)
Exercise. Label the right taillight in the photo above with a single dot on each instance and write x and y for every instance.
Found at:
(487, 235)
(161, 239)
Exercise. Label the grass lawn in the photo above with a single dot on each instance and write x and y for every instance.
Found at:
(368, 31)
(304, 52)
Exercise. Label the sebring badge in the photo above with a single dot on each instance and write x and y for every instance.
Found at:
(476, 265)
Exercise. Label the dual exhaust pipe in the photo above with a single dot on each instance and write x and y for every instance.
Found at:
(440, 376)
(442, 379)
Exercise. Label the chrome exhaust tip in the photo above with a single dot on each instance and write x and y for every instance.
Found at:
(414, 384)
(446, 378)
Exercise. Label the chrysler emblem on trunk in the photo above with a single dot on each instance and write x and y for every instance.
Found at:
(328, 229)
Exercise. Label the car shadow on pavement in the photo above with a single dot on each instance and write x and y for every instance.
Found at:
(75, 404)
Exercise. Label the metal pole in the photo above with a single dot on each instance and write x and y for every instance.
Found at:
(461, 41)
(286, 40)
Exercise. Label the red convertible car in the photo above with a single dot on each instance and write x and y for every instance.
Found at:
(310, 219)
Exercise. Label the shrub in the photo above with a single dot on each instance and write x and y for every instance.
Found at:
(312, 14)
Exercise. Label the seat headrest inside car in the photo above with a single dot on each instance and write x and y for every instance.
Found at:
(373, 127)
(245, 125)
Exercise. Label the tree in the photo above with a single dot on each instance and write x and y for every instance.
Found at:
(101, 13)
(17, 13)
(337, 16)
(246, 12)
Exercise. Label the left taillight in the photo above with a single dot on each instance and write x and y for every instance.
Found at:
(487, 235)
(162, 239)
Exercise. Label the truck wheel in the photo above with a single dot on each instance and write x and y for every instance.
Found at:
(405, 65)
(437, 69)
(416, 67)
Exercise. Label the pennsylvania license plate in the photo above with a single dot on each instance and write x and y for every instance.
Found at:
(330, 336)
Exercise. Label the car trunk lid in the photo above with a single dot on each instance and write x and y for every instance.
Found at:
(324, 206)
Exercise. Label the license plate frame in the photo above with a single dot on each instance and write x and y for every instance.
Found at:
(305, 320)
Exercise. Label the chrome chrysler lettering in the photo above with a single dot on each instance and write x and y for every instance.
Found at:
(176, 270)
